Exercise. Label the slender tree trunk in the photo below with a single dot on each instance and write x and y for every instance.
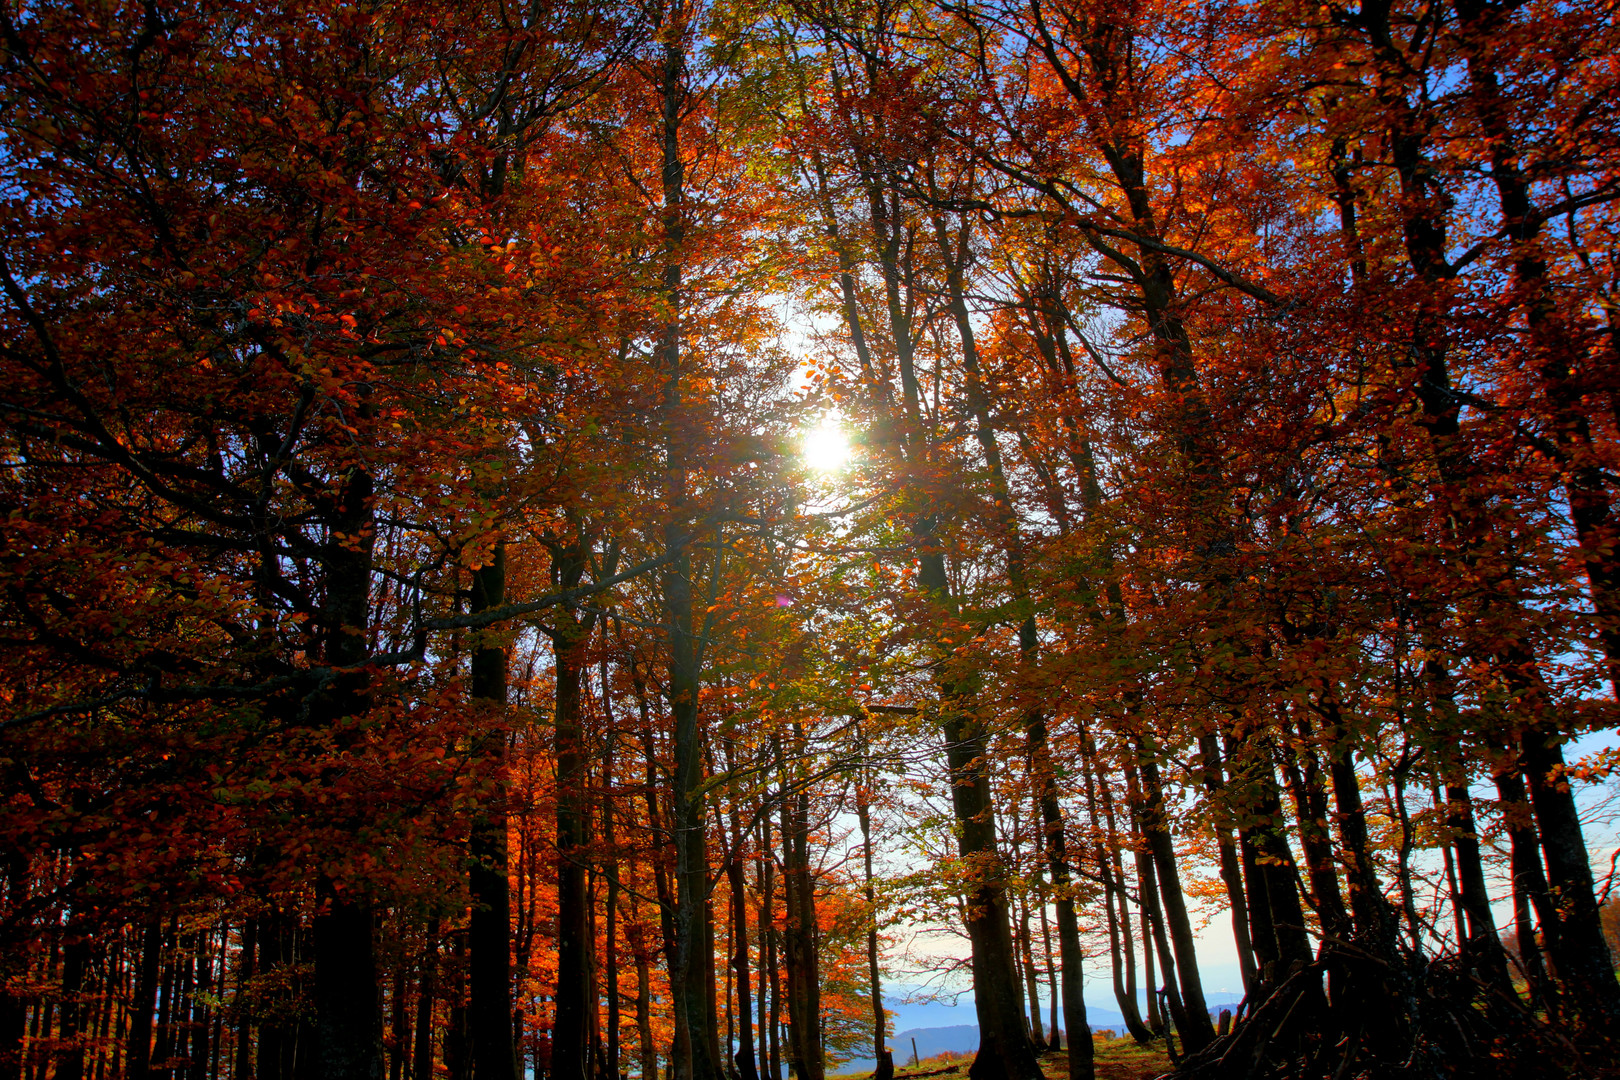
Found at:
(770, 1016)
(1481, 943)
(1484, 944)
(75, 958)
(1231, 868)
(489, 944)
(202, 1013)
(799, 935)
(348, 1000)
(863, 816)
(1198, 1031)
(610, 912)
(1583, 957)
(745, 1056)
(1081, 1051)
(955, 250)
(1311, 815)
(690, 982)
(648, 1050)
(244, 1020)
(1111, 866)
(426, 991)
(1147, 897)
(576, 944)
(1026, 950)
(145, 1002)
(399, 1014)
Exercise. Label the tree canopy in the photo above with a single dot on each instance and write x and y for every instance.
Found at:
(550, 538)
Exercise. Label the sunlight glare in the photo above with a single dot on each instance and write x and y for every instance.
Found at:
(826, 446)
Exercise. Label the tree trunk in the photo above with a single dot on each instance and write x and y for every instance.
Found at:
(70, 1060)
(399, 1014)
(955, 251)
(1231, 869)
(1156, 943)
(1055, 1043)
(610, 913)
(348, 1013)
(576, 945)
(1026, 952)
(1321, 870)
(745, 1056)
(799, 939)
(348, 1001)
(426, 990)
(1197, 1031)
(145, 1002)
(648, 1051)
(689, 979)
(770, 1015)
(489, 962)
(1483, 945)
(863, 816)
(1121, 941)
(1582, 953)
(244, 1021)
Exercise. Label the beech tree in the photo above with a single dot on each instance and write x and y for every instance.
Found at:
(431, 647)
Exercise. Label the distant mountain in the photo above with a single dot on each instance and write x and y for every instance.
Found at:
(1104, 1019)
(961, 1038)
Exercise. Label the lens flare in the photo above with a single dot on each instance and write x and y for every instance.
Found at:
(826, 446)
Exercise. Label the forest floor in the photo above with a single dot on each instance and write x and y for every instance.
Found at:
(1116, 1059)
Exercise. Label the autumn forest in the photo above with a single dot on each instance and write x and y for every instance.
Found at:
(593, 540)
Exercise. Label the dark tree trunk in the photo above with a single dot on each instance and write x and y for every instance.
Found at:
(244, 1020)
(1197, 1031)
(457, 1032)
(769, 1016)
(1582, 953)
(648, 1052)
(202, 1013)
(426, 991)
(1004, 1049)
(610, 913)
(1156, 943)
(1081, 1051)
(348, 1001)
(1026, 957)
(1111, 865)
(399, 1014)
(745, 1056)
(1321, 868)
(1484, 946)
(1053, 997)
(75, 958)
(348, 1014)
(799, 940)
(489, 975)
(689, 975)
(1231, 868)
(572, 1028)
(145, 1002)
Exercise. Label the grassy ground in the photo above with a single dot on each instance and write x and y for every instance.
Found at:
(1117, 1059)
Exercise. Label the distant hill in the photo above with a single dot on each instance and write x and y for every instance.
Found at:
(962, 1038)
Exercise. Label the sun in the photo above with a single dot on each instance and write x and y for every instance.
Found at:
(826, 446)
